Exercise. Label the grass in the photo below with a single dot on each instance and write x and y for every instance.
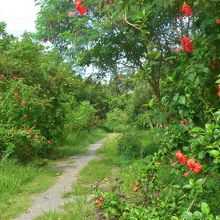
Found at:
(75, 144)
(17, 182)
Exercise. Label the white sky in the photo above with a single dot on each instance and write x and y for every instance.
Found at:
(19, 15)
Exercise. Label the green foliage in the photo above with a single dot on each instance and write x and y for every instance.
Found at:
(77, 143)
(117, 120)
(138, 144)
(41, 99)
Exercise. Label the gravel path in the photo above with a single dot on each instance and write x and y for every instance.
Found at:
(52, 198)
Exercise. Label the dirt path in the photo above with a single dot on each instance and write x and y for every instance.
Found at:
(52, 198)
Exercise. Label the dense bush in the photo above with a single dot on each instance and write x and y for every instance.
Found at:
(117, 120)
(40, 99)
(139, 144)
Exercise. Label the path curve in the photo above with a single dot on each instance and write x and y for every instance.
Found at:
(51, 199)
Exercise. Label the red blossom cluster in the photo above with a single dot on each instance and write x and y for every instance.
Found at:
(36, 136)
(186, 10)
(186, 44)
(192, 165)
(135, 187)
(183, 122)
(217, 21)
(100, 201)
(81, 8)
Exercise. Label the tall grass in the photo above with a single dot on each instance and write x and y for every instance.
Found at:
(17, 182)
(77, 143)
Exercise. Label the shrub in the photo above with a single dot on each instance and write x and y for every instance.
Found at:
(117, 120)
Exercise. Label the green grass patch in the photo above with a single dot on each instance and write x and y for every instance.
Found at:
(78, 210)
(17, 183)
(75, 144)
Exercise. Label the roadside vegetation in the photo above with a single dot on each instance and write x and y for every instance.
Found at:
(154, 79)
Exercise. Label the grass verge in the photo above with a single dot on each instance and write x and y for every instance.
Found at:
(17, 182)
(74, 144)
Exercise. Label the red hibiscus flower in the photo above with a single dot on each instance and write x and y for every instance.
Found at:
(36, 136)
(217, 21)
(183, 122)
(82, 9)
(135, 187)
(197, 168)
(186, 44)
(193, 166)
(186, 9)
(100, 201)
(23, 103)
(180, 158)
(77, 3)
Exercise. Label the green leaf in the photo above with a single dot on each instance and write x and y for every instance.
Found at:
(174, 218)
(186, 215)
(187, 186)
(154, 55)
(214, 153)
(191, 182)
(197, 130)
(201, 154)
(217, 81)
(197, 215)
(182, 100)
(199, 182)
(205, 208)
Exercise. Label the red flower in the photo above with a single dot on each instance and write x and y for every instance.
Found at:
(77, 3)
(218, 90)
(135, 187)
(191, 163)
(181, 157)
(36, 136)
(195, 167)
(82, 9)
(186, 9)
(16, 95)
(15, 78)
(217, 21)
(183, 122)
(24, 103)
(30, 132)
(100, 201)
(186, 44)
